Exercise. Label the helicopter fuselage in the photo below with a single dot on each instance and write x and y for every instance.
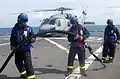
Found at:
(55, 22)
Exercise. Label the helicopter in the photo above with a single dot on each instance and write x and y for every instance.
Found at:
(60, 21)
(56, 22)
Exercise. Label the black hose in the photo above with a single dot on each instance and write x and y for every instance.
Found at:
(36, 35)
(91, 52)
(19, 46)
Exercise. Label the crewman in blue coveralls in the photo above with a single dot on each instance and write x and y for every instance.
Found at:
(20, 32)
(111, 37)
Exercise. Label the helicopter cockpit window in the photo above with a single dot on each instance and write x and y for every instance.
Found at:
(52, 22)
(45, 21)
(68, 24)
(59, 23)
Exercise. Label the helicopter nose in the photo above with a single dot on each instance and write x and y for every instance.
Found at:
(53, 28)
(47, 27)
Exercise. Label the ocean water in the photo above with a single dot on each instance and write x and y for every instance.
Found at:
(99, 28)
(7, 31)
(96, 28)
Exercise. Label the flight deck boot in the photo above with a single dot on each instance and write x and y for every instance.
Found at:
(104, 60)
(23, 75)
(82, 71)
(110, 59)
(69, 71)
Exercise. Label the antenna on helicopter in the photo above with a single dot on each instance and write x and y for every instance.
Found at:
(83, 15)
(43, 10)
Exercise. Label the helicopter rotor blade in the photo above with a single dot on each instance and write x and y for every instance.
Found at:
(15, 13)
(44, 10)
(63, 9)
(37, 10)
(57, 9)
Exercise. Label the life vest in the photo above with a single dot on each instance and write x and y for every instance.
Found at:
(21, 35)
(111, 35)
(76, 29)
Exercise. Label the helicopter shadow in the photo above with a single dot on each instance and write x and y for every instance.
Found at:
(96, 69)
(6, 77)
(48, 70)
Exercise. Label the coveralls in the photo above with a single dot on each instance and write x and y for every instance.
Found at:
(23, 55)
(77, 47)
(111, 35)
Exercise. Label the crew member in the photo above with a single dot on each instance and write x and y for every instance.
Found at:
(77, 46)
(20, 32)
(111, 37)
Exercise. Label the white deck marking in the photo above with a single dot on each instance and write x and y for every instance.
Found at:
(64, 38)
(4, 44)
(77, 70)
(58, 45)
(90, 39)
(99, 38)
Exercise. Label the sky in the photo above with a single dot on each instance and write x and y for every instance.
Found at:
(97, 10)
